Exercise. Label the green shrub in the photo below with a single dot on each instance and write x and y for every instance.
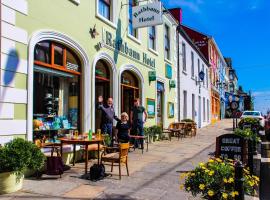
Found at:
(247, 134)
(153, 130)
(19, 155)
(253, 122)
(187, 120)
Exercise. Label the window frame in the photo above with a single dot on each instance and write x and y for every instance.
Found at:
(154, 38)
(112, 21)
(184, 59)
(52, 65)
(136, 31)
(192, 64)
(167, 40)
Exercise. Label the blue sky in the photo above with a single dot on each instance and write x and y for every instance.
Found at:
(241, 29)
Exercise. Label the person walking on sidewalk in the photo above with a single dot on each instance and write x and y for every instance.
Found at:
(138, 117)
(108, 115)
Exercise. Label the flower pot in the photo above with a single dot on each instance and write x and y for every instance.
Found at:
(10, 183)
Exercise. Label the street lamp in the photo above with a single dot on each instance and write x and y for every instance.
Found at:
(201, 77)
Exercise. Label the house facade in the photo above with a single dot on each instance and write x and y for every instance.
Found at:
(55, 65)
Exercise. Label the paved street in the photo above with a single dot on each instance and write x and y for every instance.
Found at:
(153, 175)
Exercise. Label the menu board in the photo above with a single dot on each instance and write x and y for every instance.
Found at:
(231, 146)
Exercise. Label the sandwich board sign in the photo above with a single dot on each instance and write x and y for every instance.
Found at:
(147, 15)
(231, 146)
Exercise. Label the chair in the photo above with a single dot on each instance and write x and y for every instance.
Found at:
(117, 157)
(169, 131)
(180, 129)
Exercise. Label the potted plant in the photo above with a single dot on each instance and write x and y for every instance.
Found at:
(187, 120)
(215, 180)
(15, 158)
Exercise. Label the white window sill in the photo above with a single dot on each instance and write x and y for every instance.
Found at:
(168, 61)
(108, 22)
(134, 39)
(153, 51)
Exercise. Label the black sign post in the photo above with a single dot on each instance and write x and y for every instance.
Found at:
(231, 146)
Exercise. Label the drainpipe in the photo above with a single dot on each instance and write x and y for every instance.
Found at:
(178, 71)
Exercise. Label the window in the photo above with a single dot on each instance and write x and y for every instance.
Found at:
(167, 42)
(104, 8)
(56, 56)
(231, 87)
(199, 67)
(184, 56)
(192, 64)
(131, 30)
(204, 117)
(203, 71)
(206, 77)
(152, 38)
(193, 107)
(208, 111)
(185, 105)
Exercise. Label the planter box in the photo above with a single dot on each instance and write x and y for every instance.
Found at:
(9, 183)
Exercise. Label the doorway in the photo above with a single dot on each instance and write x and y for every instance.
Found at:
(160, 103)
(102, 84)
(129, 91)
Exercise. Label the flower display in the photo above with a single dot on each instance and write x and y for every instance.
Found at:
(215, 180)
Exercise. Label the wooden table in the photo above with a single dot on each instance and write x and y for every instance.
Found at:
(138, 137)
(84, 142)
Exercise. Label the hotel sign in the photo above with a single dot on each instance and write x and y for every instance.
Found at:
(118, 45)
(147, 15)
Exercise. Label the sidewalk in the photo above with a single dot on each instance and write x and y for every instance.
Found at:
(153, 175)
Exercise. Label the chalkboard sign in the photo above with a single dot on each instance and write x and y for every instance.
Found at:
(231, 146)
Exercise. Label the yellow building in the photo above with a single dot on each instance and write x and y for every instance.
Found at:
(61, 55)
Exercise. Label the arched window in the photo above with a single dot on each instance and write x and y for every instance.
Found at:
(102, 71)
(129, 79)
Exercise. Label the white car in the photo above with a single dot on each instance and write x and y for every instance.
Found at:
(254, 114)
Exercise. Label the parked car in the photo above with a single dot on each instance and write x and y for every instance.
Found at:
(254, 114)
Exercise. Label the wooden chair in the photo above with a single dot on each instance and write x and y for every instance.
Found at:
(180, 129)
(117, 157)
(169, 131)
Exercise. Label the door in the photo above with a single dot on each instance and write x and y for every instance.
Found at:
(160, 104)
(128, 96)
(200, 113)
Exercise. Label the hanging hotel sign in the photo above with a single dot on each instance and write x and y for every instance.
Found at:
(147, 15)
(152, 75)
(118, 45)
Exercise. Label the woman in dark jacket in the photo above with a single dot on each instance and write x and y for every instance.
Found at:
(123, 128)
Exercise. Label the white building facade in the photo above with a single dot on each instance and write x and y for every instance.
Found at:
(194, 93)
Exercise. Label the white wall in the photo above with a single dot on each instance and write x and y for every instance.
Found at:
(188, 83)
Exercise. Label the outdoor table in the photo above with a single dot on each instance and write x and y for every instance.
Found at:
(84, 142)
(138, 137)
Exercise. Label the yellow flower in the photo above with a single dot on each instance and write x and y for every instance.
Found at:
(211, 173)
(201, 186)
(251, 183)
(236, 193)
(207, 171)
(181, 187)
(224, 195)
(204, 168)
(210, 193)
(225, 180)
(201, 164)
(219, 160)
(192, 174)
(256, 178)
(231, 180)
(188, 188)
(233, 194)
(182, 176)
(210, 160)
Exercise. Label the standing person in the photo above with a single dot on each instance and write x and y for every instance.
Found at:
(138, 117)
(123, 128)
(108, 115)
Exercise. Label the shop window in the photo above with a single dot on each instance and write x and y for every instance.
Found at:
(102, 71)
(104, 8)
(152, 37)
(56, 99)
(131, 30)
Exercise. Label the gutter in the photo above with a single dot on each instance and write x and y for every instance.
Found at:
(178, 71)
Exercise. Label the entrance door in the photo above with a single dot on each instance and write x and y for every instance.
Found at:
(200, 114)
(160, 96)
(129, 91)
(102, 87)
